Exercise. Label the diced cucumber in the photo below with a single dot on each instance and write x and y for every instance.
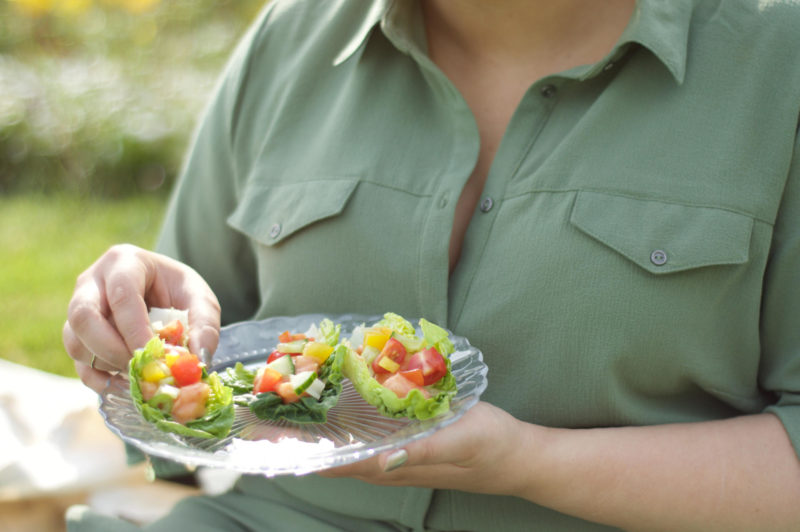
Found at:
(315, 388)
(369, 353)
(411, 343)
(164, 398)
(283, 365)
(292, 347)
(168, 389)
(302, 381)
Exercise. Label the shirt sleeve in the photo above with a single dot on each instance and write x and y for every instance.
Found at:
(780, 319)
(195, 229)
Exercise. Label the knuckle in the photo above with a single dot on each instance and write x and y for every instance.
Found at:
(81, 315)
(120, 294)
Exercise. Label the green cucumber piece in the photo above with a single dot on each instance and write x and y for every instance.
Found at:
(283, 365)
(292, 347)
(411, 343)
(164, 398)
(315, 389)
(302, 381)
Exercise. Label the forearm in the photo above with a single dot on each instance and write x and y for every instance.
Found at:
(736, 474)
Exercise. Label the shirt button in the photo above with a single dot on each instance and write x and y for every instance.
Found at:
(608, 66)
(275, 230)
(487, 204)
(658, 257)
(548, 91)
(443, 201)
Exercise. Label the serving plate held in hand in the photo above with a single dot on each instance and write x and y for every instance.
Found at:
(353, 431)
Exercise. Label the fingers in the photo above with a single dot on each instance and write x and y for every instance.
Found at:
(108, 314)
(127, 277)
(204, 322)
(181, 287)
(94, 379)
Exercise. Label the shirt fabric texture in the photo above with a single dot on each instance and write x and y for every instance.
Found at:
(634, 259)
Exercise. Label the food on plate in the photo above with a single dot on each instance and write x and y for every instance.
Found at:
(171, 387)
(400, 373)
(300, 380)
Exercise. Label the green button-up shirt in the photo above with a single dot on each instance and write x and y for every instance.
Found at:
(635, 258)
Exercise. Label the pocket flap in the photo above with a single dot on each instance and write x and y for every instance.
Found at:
(663, 237)
(270, 213)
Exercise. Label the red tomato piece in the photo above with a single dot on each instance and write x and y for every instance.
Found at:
(275, 355)
(267, 381)
(172, 332)
(186, 370)
(393, 350)
(431, 362)
(286, 337)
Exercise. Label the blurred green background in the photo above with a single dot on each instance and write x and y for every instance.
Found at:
(97, 103)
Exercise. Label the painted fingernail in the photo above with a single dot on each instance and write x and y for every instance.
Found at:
(395, 460)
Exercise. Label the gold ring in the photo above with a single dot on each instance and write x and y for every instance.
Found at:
(91, 362)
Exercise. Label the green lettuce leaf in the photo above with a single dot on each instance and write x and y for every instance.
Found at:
(217, 421)
(307, 410)
(330, 332)
(397, 323)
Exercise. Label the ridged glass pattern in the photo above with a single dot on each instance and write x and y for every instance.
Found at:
(354, 429)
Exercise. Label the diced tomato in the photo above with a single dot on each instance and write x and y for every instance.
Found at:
(267, 381)
(172, 333)
(286, 337)
(400, 385)
(186, 370)
(431, 362)
(414, 375)
(191, 402)
(275, 355)
(286, 391)
(394, 351)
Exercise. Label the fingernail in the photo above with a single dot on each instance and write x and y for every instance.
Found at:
(205, 356)
(395, 460)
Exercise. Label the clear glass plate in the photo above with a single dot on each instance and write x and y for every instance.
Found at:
(354, 430)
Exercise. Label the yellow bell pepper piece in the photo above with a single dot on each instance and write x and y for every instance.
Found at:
(318, 351)
(154, 371)
(377, 337)
(388, 364)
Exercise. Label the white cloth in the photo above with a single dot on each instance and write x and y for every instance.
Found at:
(52, 438)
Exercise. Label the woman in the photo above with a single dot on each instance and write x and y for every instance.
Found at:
(599, 195)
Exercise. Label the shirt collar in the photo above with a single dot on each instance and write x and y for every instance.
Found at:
(660, 26)
(663, 28)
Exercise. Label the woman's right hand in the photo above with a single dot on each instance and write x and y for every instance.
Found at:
(107, 315)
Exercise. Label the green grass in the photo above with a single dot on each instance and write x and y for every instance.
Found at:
(46, 241)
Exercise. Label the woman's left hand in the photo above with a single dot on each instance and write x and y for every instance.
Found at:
(481, 452)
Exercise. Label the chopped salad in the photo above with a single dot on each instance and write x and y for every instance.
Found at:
(400, 373)
(172, 388)
(300, 380)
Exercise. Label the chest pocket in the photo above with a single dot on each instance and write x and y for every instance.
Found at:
(663, 237)
(272, 213)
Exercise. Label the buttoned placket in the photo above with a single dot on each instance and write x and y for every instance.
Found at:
(520, 136)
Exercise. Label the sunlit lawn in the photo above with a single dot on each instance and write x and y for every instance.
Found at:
(46, 242)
